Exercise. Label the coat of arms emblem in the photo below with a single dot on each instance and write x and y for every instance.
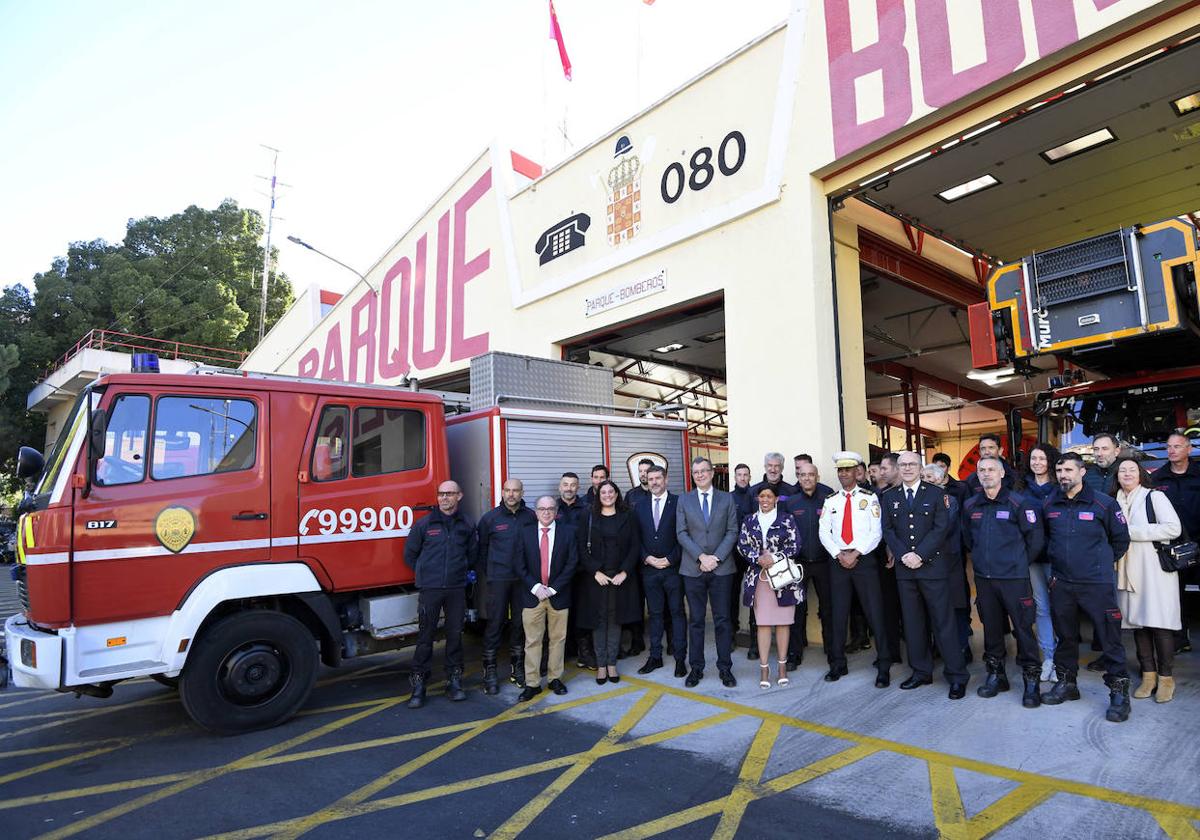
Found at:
(624, 194)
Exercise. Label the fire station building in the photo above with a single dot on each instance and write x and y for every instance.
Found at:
(783, 251)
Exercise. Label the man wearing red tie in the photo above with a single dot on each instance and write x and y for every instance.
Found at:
(549, 558)
(851, 530)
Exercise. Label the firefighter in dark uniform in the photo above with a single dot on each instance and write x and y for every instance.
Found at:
(573, 510)
(1086, 534)
(850, 531)
(916, 522)
(500, 550)
(805, 507)
(441, 549)
(1002, 530)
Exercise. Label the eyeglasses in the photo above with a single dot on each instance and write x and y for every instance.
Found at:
(547, 510)
(448, 493)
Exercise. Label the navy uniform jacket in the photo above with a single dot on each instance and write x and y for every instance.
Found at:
(1085, 536)
(923, 529)
(783, 489)
(635, 495)
(500, 540)
(806, 510)
(564, 558)
(1183, 489)
(1003, 534)
(741, 498)
(441, 549)
(572, 514)
(662, 542)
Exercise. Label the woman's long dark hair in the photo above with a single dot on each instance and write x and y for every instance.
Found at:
(1052, 455)
(597, 507)
(1143, 476)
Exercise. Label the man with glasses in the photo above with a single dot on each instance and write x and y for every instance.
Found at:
(916, 523)
(707, 528)
(547, 565)
(440, 549)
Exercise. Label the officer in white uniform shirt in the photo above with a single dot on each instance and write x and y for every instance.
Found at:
(851, 531)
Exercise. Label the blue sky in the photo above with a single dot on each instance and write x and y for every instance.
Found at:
(117, 110)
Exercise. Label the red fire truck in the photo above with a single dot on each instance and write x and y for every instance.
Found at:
(226, 533)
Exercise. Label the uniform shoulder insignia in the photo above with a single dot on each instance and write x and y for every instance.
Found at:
(867, 490)
(946, 499)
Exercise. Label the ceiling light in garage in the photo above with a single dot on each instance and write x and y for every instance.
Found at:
(965, 189)
(1186, 104)
(1079, 145)
(669, 348)
(992, 377)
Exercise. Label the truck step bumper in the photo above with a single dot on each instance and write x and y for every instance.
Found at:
(35, 657)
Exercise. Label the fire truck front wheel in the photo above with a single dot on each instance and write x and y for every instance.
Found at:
(250, 670)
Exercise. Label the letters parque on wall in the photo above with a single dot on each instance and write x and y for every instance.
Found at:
(626, 293)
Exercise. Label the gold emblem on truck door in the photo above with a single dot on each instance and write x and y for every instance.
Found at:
(175, 527)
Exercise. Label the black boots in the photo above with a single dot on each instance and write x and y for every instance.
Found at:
(1118, 699)
(1065, 689)
(1032, 698)
(417, 699)
(491, 682)
(997, 679)
(454, 689)
(516, 659)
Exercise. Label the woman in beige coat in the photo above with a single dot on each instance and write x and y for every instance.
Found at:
(1148, 596)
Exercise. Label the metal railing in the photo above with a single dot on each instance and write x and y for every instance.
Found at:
(125, 343)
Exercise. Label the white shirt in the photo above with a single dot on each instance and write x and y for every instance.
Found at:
(914, 487)
(765, 521)
(865, 519)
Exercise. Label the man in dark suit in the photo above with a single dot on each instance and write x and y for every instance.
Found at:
(707, 528)
(550, 557)
(661, 555)
(642, 490)
(916, 522)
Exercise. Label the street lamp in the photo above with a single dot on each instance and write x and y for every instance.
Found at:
(360, 276)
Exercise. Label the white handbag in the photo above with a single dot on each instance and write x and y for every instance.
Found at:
(784, 572)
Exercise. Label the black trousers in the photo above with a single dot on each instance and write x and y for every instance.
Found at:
(890, 591)
(816, 579)
(1001, 601)
(1098, 601)
(706, 590)
(735, 597)
(664, 597)
(921, 596)
(452, 603)
(863, 579)
(503, 596)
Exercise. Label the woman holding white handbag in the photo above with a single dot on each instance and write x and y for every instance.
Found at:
(770, 543)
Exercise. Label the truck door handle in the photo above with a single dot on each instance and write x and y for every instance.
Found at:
(248, 515)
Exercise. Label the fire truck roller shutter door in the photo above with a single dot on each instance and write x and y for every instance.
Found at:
(539, 453)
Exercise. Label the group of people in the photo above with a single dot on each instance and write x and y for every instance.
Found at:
(886, 551)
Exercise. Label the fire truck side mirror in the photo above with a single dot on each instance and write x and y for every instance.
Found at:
(30, 463)
(96, 434)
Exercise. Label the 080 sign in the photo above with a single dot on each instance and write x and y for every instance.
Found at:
(700, 171)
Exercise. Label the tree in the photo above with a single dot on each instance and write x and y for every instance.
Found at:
(193, 277)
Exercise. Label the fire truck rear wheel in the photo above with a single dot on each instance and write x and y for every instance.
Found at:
(250, 670)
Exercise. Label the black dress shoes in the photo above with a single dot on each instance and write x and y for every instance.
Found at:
(916, 682)
(883, 680)
(652, 664)
(680, 669)
(557, 687)
(958, 691)
(836, 674)
(693, 679)
(728, 679)
(529, 692)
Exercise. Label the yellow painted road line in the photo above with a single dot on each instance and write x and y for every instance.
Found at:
(478, 782)
(69, 745)
(1007, 808)
(92, 790)
(40, 695)
(949, 815)
(749, 776)
(81, 716)
(1057, 785)
(64, 761)
(521, 820)
(1178, 828)
(200, 777)
(146, 701)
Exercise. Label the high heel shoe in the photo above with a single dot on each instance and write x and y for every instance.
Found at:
(783, 677)
(764, 680)
(614, 678)
(601, 678)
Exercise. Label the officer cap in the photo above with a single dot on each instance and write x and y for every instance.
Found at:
(846, 459)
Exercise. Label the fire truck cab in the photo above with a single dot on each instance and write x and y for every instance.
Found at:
(225, 532)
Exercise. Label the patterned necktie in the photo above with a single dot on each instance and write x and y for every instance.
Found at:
(704, 506)
(545, 556)
(657, 512)
(847, 522)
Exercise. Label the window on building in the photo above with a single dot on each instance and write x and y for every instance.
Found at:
(124, 458)
(329, 459)
(387, 440)
(203, 435)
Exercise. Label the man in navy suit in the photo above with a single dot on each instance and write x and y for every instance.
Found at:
(549, 560)
(661, 582)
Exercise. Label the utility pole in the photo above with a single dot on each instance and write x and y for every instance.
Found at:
(262, 313)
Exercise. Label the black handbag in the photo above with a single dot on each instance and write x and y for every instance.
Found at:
(1177, 555)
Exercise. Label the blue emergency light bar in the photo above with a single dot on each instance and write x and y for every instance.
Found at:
(144, 363)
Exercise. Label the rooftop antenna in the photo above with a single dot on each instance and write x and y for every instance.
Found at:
(262, 313)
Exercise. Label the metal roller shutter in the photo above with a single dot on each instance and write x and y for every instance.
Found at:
(539, 453)
(625, 441)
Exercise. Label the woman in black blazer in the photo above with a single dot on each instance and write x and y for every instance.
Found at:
(608, 549)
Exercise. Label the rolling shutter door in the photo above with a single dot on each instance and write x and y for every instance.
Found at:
(539, 453)
(626, 441)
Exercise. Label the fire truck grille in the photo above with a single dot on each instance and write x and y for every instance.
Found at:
(1084, 269)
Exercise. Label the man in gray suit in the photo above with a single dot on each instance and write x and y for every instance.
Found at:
(706, 524)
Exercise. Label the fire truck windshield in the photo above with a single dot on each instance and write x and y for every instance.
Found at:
(72, 430)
